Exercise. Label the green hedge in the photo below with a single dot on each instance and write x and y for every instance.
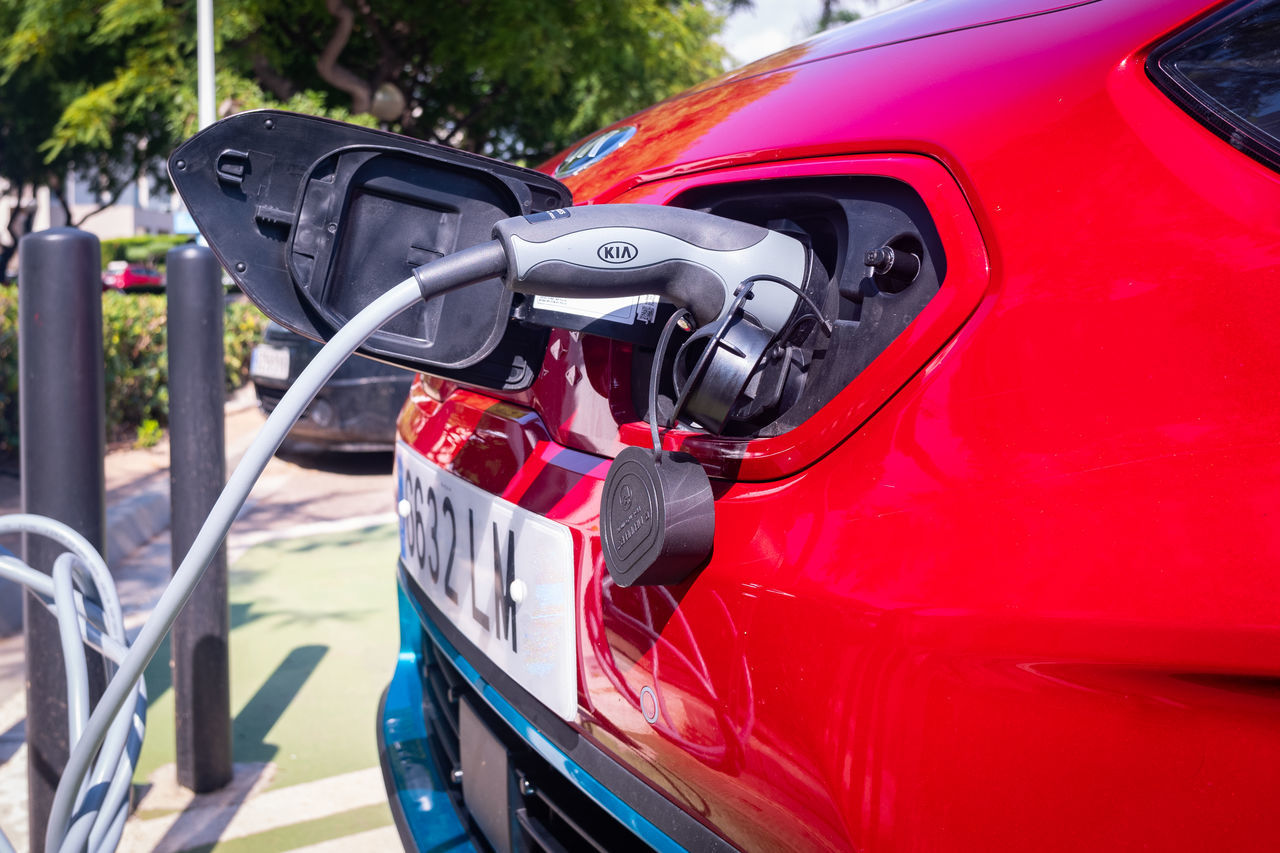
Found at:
(8, 370)
(142, 249)
(134, 357)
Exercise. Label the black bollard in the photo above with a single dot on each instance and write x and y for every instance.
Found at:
(63, 437)
(197, 471)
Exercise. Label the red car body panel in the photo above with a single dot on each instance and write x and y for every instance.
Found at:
(1018, 585)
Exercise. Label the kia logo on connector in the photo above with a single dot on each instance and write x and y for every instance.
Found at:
(617, 252)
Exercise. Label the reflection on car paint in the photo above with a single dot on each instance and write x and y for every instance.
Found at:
(647, 648)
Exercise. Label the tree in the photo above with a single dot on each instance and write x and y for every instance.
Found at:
(84, 90)
(514, 78)
(106, 90)
(833, 15)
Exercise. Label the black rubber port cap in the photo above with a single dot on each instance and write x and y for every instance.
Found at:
(657, 517)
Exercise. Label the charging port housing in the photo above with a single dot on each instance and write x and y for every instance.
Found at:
(840, 218)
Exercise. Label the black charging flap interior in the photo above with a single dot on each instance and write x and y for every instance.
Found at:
(314, 219)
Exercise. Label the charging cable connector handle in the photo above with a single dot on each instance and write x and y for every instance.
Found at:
(695, 260)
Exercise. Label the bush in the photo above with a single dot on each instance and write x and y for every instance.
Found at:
(135, 361)
(242, 328)
(8, 370)
(137, 369)
(147, 249)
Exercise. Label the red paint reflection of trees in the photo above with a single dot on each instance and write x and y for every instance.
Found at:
(669, 133)
(648, 640)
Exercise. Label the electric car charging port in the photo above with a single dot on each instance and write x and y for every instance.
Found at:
(841, 220)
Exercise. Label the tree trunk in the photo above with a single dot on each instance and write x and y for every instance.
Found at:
(328, 67)
(20, 218)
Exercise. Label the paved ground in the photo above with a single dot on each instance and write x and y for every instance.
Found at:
(313, 642)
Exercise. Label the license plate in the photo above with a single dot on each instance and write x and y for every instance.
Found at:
(269, 362)
(503, 576)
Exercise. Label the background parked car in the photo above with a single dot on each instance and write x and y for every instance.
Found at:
(358, 407)
(123, 275)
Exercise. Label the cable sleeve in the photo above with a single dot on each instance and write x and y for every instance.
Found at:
(73, 657)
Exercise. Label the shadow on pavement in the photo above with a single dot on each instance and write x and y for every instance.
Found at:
(262, 712)
(159, 676)
(198, 828)
(11, 741)
(368, 464)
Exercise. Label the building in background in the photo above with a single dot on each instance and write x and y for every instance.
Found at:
(146, 206)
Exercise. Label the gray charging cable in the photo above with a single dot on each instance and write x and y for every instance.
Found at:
(90, 805)
(81, 595)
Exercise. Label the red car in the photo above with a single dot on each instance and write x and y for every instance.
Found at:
(122, 275)
(996, 549)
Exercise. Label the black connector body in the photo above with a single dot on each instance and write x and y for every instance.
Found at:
(896, 265)
(657, 517)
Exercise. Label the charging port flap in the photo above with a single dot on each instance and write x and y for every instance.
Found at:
(314, 219)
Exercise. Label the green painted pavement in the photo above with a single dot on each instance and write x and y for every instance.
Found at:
(298, 835)
(313, 643)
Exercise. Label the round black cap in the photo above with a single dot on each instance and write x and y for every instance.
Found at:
(657, 517)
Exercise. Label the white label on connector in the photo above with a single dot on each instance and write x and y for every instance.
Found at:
(619, 309)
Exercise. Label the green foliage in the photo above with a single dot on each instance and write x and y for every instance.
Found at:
(8, 369)
(104, 85)
(242, 328)
(518, 79)
(109, 88)
(237, 92)
(135, 361)
(142, 249)
(833, 15)
(149, 434)
(105, 90)
(133, 339)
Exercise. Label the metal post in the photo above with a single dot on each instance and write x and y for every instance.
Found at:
(63, 437)
(204, 62)
(197, 471)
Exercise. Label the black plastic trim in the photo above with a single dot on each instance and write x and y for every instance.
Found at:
(1237, 132)
(255, 185)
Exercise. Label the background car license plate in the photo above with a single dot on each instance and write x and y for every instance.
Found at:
(502, 575)
(269, 362)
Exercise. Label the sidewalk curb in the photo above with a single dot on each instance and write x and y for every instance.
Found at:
(134, 522)
(137, 520)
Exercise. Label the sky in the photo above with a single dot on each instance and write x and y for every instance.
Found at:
(768, 27)
(774, 24)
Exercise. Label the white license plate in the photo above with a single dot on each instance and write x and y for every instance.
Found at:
(269, 362)
(503, 576)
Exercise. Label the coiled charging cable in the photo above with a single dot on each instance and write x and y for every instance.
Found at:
(81, 595)
(90, 805)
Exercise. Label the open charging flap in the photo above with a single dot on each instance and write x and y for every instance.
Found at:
(314, 219)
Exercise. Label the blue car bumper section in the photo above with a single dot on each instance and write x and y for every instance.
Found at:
(426, 804)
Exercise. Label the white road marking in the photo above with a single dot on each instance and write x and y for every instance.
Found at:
(243, 809)
(385, 838)
(251, 538)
